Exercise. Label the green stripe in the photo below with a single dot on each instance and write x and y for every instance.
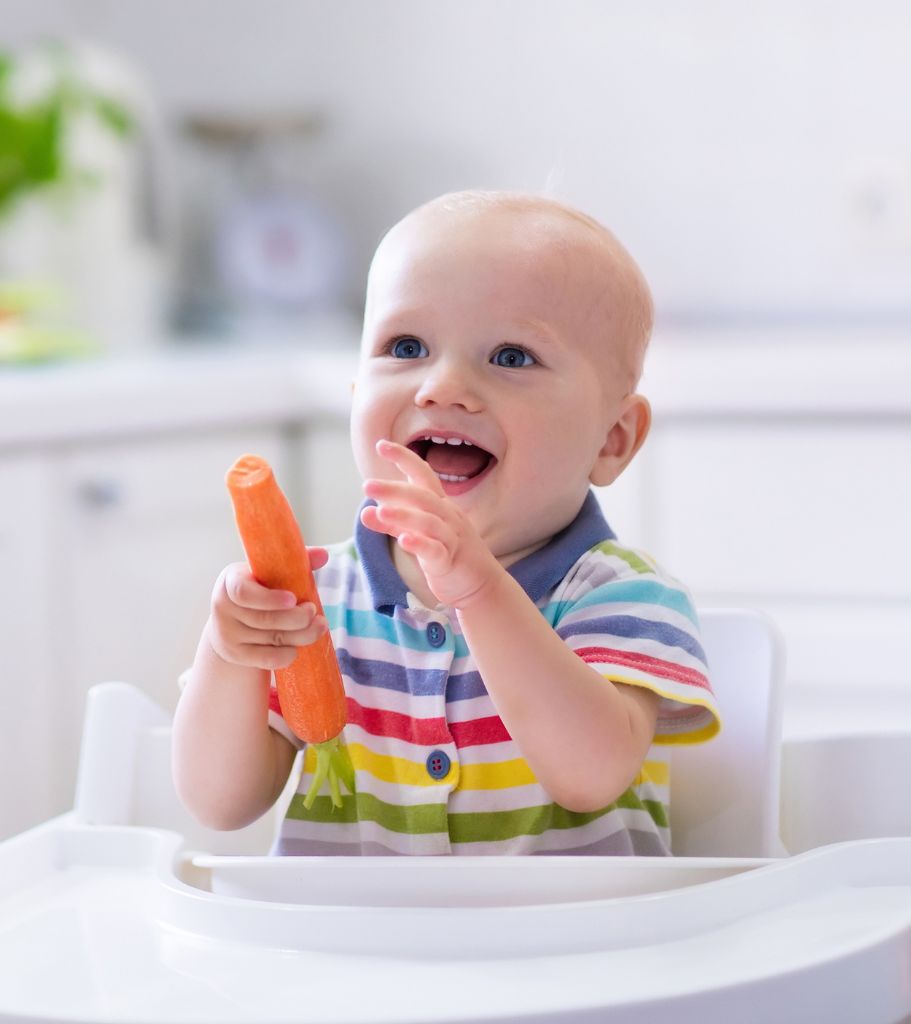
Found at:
(658, 812)
(634, 561)
(413, 819)
(471, 827)
(493, 826)
(636, 591)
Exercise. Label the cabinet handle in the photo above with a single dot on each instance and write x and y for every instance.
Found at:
(101, 493)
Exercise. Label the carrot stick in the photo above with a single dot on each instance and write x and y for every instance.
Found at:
(310, 690)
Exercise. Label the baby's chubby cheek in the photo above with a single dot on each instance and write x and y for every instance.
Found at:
(363, 436)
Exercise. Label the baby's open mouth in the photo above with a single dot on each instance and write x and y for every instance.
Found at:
(453, 459)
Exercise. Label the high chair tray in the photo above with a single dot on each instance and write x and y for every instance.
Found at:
(456, 882)
(108, 923)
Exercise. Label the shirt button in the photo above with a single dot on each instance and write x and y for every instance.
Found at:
(438, 764)
(436, 635)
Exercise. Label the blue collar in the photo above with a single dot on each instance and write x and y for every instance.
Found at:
(537, 573)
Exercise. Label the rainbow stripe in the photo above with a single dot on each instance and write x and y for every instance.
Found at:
(408, 699)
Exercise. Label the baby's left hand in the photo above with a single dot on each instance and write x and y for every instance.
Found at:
(456, 562)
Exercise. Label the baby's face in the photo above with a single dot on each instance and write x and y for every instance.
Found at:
(484, 352)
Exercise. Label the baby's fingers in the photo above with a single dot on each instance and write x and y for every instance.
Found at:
(399, 519)
(284, 637)
(268, 648)
(410, 465)
(286, 620)
(238, 584)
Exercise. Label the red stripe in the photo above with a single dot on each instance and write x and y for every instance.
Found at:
(479, 731)
(653, 666)
(425, 732)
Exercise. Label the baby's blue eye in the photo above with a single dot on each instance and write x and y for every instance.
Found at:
(408, 348)
(511, 356)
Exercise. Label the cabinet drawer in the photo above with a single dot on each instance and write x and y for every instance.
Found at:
(164, 476)
(795, 510)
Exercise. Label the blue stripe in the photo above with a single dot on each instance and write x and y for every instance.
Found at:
(420, 682)
(428, 682)
(641, 629)
(373, 626)
(638, 591)
(465, 686)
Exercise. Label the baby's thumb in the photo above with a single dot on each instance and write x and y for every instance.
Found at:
(318, 557)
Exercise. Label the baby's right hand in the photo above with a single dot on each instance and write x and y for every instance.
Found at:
(257, 626)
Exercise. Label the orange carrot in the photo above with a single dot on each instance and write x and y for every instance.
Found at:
(310, 690)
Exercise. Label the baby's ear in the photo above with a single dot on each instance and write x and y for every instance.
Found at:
(623, 440)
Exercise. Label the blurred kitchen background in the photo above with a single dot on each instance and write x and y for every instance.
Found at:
(190, 193)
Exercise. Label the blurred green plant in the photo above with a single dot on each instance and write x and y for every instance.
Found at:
(28, 333)
(33, 152)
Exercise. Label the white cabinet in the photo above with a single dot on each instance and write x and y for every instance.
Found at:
(28, 556)
(805, 517)
(331, 492)
(110, 550)
(147, 525)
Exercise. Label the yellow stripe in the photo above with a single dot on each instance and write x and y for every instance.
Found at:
(656, 772)
(386, 768)
(695, 735)
(498, 775)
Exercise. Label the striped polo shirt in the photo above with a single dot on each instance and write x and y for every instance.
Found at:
(437, 772)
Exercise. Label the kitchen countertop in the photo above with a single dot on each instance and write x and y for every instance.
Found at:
(819, 372)
(170, 389)
(690, 373)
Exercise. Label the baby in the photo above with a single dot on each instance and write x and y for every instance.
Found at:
(513, 673)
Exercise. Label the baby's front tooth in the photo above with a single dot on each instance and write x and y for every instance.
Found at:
(438, 440)
(454, 440)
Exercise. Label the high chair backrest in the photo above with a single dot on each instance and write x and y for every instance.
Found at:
(724, 793)
(124, 774)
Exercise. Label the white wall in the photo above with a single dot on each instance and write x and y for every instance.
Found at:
(756, 158)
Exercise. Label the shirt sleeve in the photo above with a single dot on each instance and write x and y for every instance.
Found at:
(643, 630)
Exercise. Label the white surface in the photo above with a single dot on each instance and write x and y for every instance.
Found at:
(183, 388)
(821, 371)
(27, 559)
(725, 794)
(454, 882)
(807, 496)
(129, 941)
(725, 168)
(846, 786)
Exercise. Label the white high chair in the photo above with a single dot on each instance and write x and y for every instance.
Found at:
(137, 924)
(724, 793)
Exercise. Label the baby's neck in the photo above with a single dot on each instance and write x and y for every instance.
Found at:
(410, 571)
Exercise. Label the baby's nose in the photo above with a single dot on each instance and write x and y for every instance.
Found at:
(449, 384)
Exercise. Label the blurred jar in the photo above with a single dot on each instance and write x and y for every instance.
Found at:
(82, 202)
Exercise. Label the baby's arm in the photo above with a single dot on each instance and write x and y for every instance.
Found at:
(229, 767)
(584, 737)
